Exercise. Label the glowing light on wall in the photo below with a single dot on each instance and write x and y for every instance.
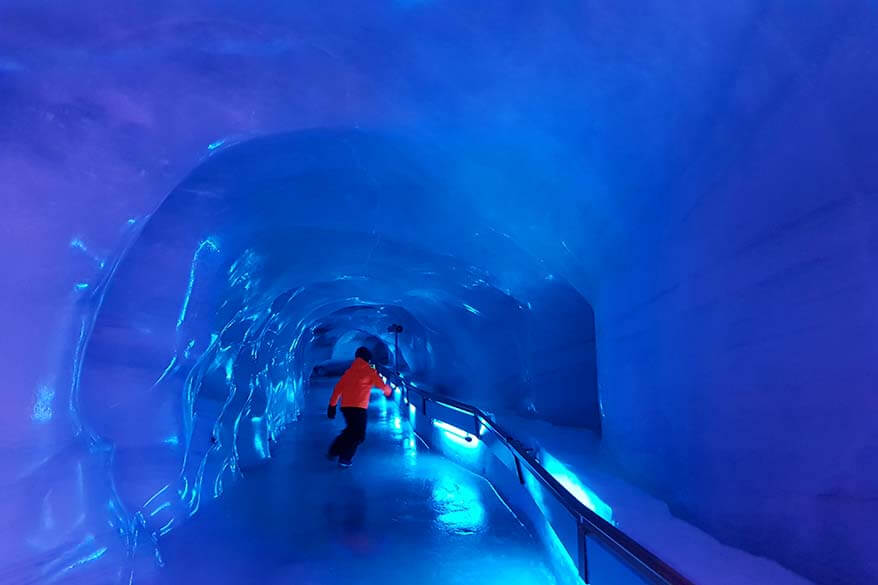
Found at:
(457, 435)
(573, 485)
(456, 409)
(230, 368)
(472, 309)
(258, 443)
(558, 552)
(166, 528)
(413, 416)
(556, 549)
(87, 559)
(164, 506)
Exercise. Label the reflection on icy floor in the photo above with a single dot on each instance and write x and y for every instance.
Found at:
(401, 513)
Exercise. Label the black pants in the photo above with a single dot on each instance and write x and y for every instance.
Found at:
(345, 445)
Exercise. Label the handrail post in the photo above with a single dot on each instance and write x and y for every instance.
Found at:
(396, 330)
(518, 469)
(583, 551)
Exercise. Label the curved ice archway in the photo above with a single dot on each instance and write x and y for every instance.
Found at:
(706, 178)
(268, 239)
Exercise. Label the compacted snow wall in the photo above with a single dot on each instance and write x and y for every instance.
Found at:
(702, 175)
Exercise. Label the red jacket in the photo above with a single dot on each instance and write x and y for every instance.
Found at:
(356, 384)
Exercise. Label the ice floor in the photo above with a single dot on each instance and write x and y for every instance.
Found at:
(401, 513)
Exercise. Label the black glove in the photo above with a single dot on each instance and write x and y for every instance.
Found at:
(330, 411)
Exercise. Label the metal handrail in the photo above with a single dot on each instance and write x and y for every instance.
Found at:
(635, 555)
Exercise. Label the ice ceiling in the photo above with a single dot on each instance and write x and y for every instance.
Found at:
(194, 196)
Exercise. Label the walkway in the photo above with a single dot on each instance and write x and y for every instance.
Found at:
(400, 514)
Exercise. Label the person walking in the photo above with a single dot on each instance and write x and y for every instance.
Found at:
(354, 389)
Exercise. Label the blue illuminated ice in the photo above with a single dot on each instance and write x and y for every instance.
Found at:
(671, 205)
(401, 514)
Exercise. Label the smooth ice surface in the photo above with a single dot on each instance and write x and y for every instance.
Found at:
(200, 200)
(401, 513)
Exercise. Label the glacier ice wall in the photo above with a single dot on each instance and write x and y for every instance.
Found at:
(703, 175)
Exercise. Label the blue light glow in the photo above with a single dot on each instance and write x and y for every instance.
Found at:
(167, 527)
(88, 558)
(216, 144)
(556, 548)
(80, 286)
(458, 432)
(457, 435)
(472, 309)
(218, 483)
(164, 506)
(454, 408)
(155, 495)
(167, 370)
(573, 485)
(258, 443)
